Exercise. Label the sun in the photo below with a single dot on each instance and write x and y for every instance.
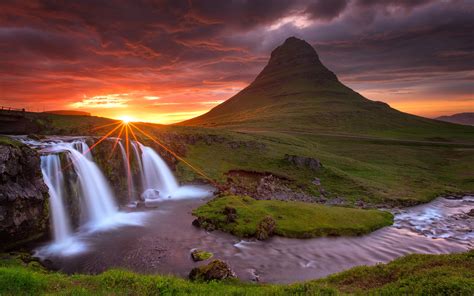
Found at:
(126, 119)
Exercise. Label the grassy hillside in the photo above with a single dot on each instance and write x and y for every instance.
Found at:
(413, 275)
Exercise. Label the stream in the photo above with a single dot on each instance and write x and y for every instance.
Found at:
(162, 244)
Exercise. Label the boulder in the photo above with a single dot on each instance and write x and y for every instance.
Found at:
(200, 255)
(265, 228)
(471, 213)
(216, 270)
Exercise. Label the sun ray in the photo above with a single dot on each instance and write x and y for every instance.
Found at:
(198, 171)
(101, 139)
(119, 137)
(105, 125)
(127, 152)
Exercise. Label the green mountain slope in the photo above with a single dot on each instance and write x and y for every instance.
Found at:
(296, 92)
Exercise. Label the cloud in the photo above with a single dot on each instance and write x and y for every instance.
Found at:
(107, 101)
(326, 10)
(192, 52)
(151, 98)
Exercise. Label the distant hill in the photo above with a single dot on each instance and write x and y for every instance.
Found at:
(459, 118)
(68, 112)
(296, 92)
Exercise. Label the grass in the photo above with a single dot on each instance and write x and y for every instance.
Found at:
(293, 219)
(414, 275)
(374, 171)
(9, 142)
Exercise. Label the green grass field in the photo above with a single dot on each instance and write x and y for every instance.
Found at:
(293, 219)
(409, 275)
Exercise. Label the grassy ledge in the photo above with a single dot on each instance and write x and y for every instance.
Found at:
(409, 275)
(292, 219)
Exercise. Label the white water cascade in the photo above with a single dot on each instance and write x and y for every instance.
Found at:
(96, 193)
(131, 185)
(96, 199)
(157, 175)
(140, 163)
(54, 179)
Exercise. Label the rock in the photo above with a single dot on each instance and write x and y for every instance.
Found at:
(23, 196)
(200, 255)
(265, 228)
(216, 270)
(471, 213)
(303, 162)
(204, 224)
(231, 214)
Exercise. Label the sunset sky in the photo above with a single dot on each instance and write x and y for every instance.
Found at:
(165, 61)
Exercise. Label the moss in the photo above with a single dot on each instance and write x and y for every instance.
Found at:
(289, 219)
(200, 255)
(10, 142)
(215, 270)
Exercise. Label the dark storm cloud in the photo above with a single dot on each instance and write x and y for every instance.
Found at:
(67, 48)
(326, 10)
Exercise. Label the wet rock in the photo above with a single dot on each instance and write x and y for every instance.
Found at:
(23, 196)
(216, 270)
(471, 213)
(200, 255)
(265, 228)
(304, 162)
(204, 224)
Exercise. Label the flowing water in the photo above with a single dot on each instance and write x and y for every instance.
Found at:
(157, 175)
(54, 179)
(164, 244)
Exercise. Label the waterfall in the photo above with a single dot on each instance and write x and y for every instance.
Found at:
(82, 147)
(157, 175)
(96, 198)
(54, 179)
(140, 163)
(97, 195)
(128, 174)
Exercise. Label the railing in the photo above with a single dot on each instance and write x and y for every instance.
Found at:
(5, 108)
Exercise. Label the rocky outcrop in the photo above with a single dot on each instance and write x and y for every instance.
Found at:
(23, 195)
(265, 186)
(216, 270)
(303, 162)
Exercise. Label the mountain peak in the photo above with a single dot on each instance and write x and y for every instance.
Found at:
(294, 56)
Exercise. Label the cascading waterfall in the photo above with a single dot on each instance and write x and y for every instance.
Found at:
(82, 147)
(97, 203)
(140, 163)
(54, 179)
(126, 163)
(157, 175)
(97, 195)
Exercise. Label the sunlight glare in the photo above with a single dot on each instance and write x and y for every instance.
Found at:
(126, 119)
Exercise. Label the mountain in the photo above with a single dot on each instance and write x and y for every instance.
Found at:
(296, 92)
(459, 118)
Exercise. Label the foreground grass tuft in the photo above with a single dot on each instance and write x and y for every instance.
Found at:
(410, 275)
(292, 219)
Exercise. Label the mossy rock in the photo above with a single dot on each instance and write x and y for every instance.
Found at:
(265, 228)
(216, 270)
(200, 255)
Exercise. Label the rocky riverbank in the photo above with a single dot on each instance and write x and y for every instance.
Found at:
(23, 195)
